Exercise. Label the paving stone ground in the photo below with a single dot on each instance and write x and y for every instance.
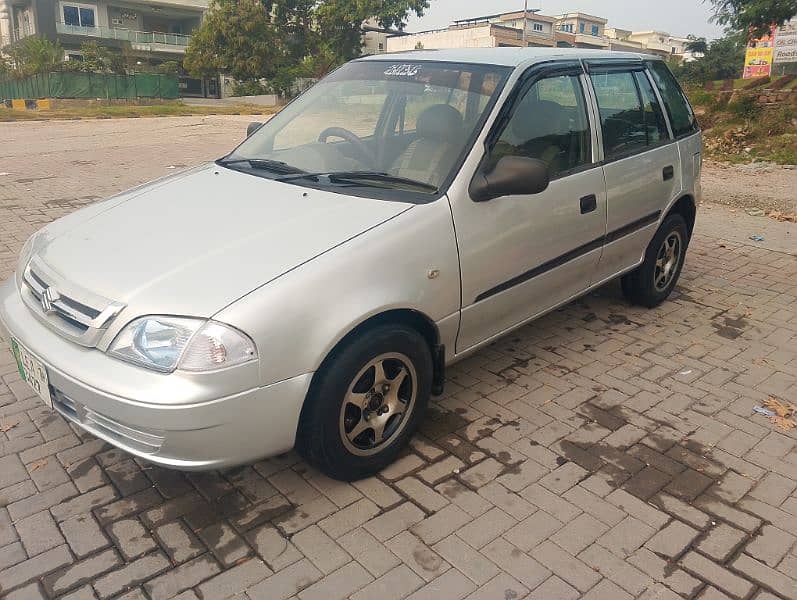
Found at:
(603, 452)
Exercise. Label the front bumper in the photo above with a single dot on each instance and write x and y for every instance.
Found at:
(195, 426)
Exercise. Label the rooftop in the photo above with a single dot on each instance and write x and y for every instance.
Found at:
(581, 15)
(519, 14)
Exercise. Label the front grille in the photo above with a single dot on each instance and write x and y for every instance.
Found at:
(77, 314)
(147, 441)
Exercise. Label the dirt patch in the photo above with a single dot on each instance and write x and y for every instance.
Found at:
(764, 186)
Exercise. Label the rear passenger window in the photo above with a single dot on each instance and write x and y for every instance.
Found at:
(622, 116)
(682, 118)
(549, 123)
(655, 124)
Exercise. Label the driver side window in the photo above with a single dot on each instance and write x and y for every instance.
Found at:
(549, 123)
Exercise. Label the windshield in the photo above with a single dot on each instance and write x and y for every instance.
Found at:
(385, 126)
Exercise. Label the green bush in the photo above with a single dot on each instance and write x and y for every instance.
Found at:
(700, 97)
(249, 88)
(745, 107)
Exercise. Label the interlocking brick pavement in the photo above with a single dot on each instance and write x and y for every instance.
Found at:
(603, 451)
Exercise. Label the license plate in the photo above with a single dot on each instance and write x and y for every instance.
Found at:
(32, 371)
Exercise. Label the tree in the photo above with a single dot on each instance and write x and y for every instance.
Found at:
(237, 37)
(169, 67)
(284, 40)
(34, 55)
(722, 59)
(696, 45)
(98, 59)
(753, 17)
(5, 65)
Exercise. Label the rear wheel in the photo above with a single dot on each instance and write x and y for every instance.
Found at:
(366, 402)
(653, 281)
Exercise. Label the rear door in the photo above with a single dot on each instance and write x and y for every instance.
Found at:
(683, 124)
(641, 162)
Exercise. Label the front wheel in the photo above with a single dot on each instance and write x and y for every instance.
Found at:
(653, 281)
(366, 402)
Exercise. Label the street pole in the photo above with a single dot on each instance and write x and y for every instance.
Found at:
(525, 12)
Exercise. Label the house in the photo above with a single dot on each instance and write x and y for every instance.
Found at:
(581, 30)
(150, 32)
(571, 30)
(374, 38)
(651, 42)
(487, 31)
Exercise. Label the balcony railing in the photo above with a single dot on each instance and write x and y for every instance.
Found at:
(128, 35)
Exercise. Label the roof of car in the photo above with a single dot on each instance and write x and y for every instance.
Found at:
(510, 57)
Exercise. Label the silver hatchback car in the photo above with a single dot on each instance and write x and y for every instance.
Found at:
(310, 288)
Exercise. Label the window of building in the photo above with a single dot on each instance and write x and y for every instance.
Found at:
(79, 15)
(537, 26)
(582, 27)
(622, 114)
(595, 30)
(549, 123)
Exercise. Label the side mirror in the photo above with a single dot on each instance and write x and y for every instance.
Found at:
(252, 127)
(513, 175)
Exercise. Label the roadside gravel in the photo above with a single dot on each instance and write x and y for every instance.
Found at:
(765, 186)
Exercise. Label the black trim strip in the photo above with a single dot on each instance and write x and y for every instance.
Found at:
(543, 268)
(625, 230)
(607, 65)
(612, 236)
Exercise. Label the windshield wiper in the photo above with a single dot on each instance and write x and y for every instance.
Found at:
(355, 177)
(264, 164)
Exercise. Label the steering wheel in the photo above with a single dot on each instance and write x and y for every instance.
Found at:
(364, 152)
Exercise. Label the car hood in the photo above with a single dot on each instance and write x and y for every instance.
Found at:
(192, 244)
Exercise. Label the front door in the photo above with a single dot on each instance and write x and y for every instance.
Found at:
(522, 255)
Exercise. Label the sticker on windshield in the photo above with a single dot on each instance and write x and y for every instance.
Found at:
(403, 70)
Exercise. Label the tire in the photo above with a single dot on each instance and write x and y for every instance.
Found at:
(350, 402)
(653, 281)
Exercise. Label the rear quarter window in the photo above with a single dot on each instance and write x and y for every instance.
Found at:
(681, 115)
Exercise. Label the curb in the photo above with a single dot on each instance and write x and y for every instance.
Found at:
(28, 104)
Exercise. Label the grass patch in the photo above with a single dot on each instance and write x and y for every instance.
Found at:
(742, 131)
(175, 109)
(739, 84)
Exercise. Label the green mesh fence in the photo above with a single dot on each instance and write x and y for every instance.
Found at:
(90, 85)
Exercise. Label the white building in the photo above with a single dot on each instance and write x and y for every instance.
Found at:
(660, 43)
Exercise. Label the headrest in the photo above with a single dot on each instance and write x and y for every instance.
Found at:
(537, 118)
(440, 122)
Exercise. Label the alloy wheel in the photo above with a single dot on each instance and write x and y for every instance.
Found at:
(378, 404)
(667, 261)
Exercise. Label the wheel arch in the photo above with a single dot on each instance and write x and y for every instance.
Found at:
(685, 206)
(414, 319)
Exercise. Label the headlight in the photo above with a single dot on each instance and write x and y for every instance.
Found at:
(169, 343)
(24, 257)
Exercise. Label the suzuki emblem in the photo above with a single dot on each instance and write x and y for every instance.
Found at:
(49, 296)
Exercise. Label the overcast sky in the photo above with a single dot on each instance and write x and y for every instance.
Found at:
(678, 17)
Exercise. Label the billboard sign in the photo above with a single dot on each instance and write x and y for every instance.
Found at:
(758, 58)
(786, 43)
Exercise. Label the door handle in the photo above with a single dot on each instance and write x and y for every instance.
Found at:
(588, 204)
(668, 172)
